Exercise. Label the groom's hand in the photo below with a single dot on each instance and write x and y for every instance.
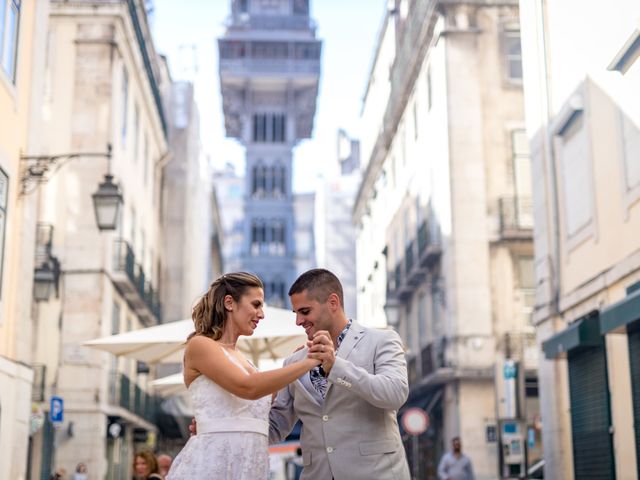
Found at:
(193, 427)
(321, 348)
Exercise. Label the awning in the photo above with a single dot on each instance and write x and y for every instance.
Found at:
(584, 332)
(275, 337)
(621, 316)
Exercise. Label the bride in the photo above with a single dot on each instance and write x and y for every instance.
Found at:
(231, 399)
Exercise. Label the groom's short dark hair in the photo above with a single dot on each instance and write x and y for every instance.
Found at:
(319, 284)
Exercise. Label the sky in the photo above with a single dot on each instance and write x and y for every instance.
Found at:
(186, 32)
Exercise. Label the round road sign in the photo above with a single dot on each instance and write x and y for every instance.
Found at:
(415, 421)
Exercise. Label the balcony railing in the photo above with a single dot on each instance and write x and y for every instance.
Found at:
(419, 256)
(516, 215)
(39, 378)
(412, 371)
(137, 290)
(268, 66)
(272, 22)
(128, 395)
(426, 360)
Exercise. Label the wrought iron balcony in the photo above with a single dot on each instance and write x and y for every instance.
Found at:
(130, 279)
(429, 244)
(412, 371)
(39, 382)
(126, 394)
(516, 217)
(419, 256)
(426, 360)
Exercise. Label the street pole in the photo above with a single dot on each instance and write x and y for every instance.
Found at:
(416, 453)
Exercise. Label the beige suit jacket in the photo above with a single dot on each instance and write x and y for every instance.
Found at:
(354, 433)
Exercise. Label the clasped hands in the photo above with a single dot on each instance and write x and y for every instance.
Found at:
(321, 348)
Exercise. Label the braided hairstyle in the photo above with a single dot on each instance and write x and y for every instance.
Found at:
(209, 315)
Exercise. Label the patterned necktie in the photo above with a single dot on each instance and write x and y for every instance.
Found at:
(317, 376)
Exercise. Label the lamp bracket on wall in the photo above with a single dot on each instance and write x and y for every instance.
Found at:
(38, 169)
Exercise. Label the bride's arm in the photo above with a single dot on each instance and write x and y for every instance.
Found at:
(206, 356)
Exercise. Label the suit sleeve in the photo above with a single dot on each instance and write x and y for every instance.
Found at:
(282, 416)
(388, 386)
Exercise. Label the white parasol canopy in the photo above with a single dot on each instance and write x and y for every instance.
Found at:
(275, 337)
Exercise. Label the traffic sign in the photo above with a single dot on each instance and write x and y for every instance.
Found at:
(415, 421)
(510, 370)
(56, 412)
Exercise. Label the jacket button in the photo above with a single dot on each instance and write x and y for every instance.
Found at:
(325, 418)
(329, 449)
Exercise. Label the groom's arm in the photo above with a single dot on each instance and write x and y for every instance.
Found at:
(282, 417)
(388, 386)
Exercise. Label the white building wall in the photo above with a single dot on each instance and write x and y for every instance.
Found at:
(566, 66)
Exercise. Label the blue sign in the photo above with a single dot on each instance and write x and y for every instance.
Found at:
(531, 438)
(56, 412)
(510, 370)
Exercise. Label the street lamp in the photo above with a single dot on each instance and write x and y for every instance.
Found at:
(106, 200)
(44, 279)
(392, 311)
(106, 204)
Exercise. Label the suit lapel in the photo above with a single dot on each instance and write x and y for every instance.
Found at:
(353, 336)
(351, 339)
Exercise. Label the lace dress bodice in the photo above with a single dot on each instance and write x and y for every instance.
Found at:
(232, 438)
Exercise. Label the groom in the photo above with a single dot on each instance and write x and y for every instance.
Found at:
(348, 406)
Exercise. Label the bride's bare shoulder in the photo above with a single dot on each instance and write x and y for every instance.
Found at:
(198, 342)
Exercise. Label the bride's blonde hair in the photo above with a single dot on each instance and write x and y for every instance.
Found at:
(209, 315)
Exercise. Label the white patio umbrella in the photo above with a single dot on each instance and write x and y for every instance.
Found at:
(275, 337)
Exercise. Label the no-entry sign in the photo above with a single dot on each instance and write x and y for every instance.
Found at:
(415, 421)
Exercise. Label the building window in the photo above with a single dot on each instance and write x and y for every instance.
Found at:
(521, 175)
(279, 181)
(230, 49)
(259, 127)
(269, 50)
(4, 188)
(301, 7)
(258, 237)
(145, 158)
(307, 51)
(278, 127)
(259, 181)
(115, 319)
(269, 127)
(9, 26)
(513, 53)
(277, 240)
(244, 6)
(125, 101)
(429, 89)
(630, 140)
(136, 127)
(526, 284)
(576, 177)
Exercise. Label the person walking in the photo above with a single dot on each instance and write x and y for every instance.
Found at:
(455, 465)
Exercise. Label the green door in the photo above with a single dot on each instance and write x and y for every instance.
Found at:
(590, 414)
(634, 361)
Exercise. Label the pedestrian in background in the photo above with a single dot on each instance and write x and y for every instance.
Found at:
(164, 464)
(145, 466)
(455, 465)
(59, 474)
(81, 472)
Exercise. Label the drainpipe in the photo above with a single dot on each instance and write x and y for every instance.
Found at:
(551, 168)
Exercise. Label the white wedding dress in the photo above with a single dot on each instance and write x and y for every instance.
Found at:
(232, 439)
